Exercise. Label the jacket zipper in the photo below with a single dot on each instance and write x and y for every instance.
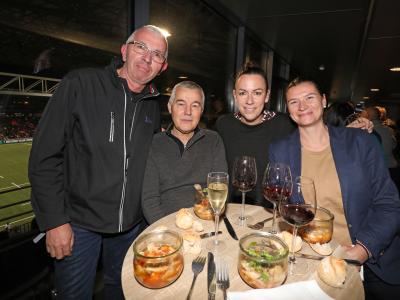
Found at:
(112, 120)
(121, 205)
(126, 160)
(134, 112)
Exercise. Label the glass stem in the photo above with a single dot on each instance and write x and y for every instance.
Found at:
(216, 229)
(274, 218)
(242, 217)
(292, 257)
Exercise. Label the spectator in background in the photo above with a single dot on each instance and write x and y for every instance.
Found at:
(343, 114)
(88, 160)
(389, 131)
(181, 156)
(218, 108)
(386, 134)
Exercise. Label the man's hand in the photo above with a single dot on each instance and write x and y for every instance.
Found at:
(362, 123)
(356, 252)
(59, 241)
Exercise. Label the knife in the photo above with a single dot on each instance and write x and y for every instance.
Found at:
(211, 280)
(208, 234)
(230, 228)
(316, 257)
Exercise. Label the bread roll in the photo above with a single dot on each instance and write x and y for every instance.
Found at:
(287, 237)
(184, 219)
(332, 271)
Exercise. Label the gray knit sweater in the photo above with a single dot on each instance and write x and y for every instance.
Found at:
(171, 173)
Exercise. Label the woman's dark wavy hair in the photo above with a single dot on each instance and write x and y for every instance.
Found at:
(337, 113)
(251, 68)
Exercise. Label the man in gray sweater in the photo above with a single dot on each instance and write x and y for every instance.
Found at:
(180, 156)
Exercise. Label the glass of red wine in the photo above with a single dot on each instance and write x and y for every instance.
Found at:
(244, 178)
(277, 184)
(299, 210)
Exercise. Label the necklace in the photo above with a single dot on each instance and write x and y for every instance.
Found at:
(266, 116)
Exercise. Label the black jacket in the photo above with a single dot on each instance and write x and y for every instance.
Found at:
(89, 153)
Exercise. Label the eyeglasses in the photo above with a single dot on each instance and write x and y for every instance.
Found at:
(142, 49)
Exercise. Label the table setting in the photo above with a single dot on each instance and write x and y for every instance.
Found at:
(288, 254)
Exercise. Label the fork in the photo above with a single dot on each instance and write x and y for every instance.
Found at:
(260, 225)
(222, 276)
(197, 267)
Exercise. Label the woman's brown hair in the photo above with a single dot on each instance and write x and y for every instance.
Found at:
(250, 68)
(299, 80)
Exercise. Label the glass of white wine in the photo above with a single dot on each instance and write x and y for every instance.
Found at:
(217, 183)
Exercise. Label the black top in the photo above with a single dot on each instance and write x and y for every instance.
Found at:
(251, 140)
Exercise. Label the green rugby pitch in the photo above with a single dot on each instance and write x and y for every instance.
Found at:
(14, 175)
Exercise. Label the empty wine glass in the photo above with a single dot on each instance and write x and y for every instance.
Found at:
(299, 210)
(277, 183)
(244, 178)
(217, 183)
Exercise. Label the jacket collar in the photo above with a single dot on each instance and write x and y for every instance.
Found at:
(149, 90)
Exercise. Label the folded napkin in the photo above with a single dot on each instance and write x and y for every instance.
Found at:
(302, 290)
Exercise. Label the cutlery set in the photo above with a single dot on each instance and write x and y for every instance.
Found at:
(217, 275)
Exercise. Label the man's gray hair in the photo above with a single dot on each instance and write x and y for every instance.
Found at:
(151, 28)
(189, 85)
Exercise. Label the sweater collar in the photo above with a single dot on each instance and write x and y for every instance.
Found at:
(196, 136)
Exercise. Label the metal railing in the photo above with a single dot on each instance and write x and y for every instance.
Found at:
(26, 85)
(12, 222)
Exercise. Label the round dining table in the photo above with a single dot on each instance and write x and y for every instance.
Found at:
(352, 289)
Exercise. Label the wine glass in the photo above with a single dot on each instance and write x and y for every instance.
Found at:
(277, 184)
(217, 183)
(298, 210)
(244, 178)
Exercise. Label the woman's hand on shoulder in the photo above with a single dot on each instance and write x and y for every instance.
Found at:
(362, 123)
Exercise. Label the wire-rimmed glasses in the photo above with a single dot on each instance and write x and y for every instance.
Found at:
(142, 49)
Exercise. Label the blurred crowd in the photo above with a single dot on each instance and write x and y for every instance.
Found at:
(17, 127)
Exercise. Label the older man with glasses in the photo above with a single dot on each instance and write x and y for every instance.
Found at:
(87, 164)
(181, 156)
